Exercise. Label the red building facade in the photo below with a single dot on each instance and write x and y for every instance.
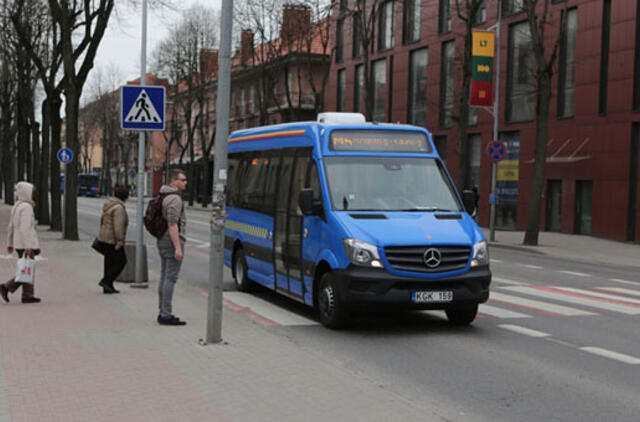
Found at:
(592, 181)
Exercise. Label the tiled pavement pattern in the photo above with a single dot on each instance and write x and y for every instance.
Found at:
(84, 356)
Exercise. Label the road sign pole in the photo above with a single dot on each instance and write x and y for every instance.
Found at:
(216, 257)
(496, 119)
(141, 164)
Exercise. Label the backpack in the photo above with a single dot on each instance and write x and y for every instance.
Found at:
(154, 221)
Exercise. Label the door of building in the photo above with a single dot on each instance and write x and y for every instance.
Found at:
(584, 189)
(554, 205)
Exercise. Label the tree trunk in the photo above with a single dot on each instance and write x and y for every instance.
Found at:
(7, 163)
(56, 133)
(35, 160)
(542, 134)
(70, 229)
(43, 195)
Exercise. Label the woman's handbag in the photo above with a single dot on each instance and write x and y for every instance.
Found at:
(99, 246)
(25, 270)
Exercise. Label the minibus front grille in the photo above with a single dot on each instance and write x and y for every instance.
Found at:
(412, 258)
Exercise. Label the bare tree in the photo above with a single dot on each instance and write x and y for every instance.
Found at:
(180, 57)
(82, 26)
(540, 19)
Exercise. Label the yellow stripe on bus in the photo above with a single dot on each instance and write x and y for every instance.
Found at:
(247, 228)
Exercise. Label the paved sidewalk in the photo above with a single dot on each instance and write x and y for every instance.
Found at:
(84, 356)
(574, 247)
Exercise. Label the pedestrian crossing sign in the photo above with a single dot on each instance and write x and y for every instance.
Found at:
(142, 107)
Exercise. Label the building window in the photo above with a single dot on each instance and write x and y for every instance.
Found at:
(481, 14)
(339, 40)
(342, 80)
(358, 89)
(357, 35)
(604, 56)
(379, 90)
(418, 61)
(512, 7)
(567, 74)
(520, 74)
(411, 21)
(444, 20)
(474, 158)
(385, 26)
(446, 82)
(636, 66)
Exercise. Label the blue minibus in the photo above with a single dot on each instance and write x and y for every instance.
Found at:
(345, 216)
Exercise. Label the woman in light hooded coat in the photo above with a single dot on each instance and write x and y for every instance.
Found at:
(22, 237)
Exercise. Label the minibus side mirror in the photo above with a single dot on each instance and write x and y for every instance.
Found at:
(308, 205)
(469, 201)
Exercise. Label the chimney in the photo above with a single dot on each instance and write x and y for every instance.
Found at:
(296, 21)
(246, 46)
(209, 62)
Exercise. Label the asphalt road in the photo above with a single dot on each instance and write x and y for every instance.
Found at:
(557, 341)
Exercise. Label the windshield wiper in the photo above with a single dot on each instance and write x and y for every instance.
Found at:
(429, 209)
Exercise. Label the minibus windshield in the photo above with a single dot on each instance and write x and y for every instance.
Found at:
(384, 183)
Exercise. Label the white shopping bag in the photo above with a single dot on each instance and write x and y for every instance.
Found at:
(25, 270)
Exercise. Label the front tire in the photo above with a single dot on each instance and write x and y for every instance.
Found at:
(240, 276)
(333, 313)
(462, 316)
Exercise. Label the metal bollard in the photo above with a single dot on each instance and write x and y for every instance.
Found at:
(128, 274)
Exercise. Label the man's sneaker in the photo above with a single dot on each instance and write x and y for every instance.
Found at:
(170, 320)
(30, 300)
(4, 293)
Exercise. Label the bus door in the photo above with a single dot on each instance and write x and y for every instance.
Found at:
(288, 223)
(312, 234)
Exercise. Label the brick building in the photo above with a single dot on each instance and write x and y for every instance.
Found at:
(592, 179)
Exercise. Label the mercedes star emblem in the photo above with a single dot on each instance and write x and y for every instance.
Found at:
(432, 257)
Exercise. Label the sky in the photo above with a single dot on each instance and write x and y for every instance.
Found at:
(119, 51)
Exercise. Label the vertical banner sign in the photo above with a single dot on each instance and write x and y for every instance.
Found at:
(482, 68)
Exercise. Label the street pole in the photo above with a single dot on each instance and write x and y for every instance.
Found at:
(216, 257)
(493, 199)
(140, 282)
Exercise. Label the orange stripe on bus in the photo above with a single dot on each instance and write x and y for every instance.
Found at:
(268, 135)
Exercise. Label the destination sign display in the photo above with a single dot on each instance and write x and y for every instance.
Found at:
(379, 141)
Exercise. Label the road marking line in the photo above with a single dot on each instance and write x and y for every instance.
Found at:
(551, 293)
(267, 310)
(203, 246)
(614, 298)
(541, 307)
(618, 290)
(495, 261)
(508, 281)
(617, 280)
(500, 313)
(620, 357)
(575, 273)
(533, 267)
(524, 331)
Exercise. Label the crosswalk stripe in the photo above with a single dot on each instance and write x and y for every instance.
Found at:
(613, 298)
(551, 308)
(621, 357)
(564, 296)
(617, 280)
(500, 313)
(267, 310)
(522, 330)
(619, 290)
(576, 274)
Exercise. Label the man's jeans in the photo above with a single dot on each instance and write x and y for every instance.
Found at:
(168, 274)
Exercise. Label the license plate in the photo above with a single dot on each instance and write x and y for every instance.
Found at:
(432, 297)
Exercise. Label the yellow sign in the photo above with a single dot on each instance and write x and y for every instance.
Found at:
(508, 171)
(483, 43)
(484, 68)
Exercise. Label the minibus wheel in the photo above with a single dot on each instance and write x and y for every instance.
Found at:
(240, 271)
(462, 316)
(332, 311)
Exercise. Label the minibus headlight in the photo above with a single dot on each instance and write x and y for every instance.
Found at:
(362, 253)
(480, 254)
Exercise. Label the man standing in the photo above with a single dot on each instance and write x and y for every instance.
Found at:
(171, 244)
